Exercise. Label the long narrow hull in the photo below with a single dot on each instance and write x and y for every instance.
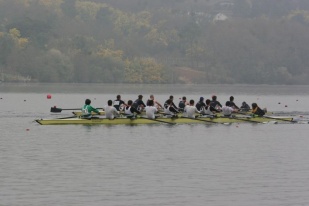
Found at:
(179, 120)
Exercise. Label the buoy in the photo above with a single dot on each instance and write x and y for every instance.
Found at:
(279, 103)
(48, 96)
(286, 105)
(27, 129)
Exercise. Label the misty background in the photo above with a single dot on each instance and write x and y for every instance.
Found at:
(155, 41)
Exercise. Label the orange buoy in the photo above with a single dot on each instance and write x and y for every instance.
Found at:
(48, 96)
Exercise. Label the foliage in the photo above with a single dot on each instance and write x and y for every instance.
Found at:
(143, 70)
(133, 41)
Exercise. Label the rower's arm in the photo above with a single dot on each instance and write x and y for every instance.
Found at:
(133, 109)
(159, 104)
(172, 109)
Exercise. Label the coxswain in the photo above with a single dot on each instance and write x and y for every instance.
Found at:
(257, 110)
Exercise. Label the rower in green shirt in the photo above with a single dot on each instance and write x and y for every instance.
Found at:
(87, 109)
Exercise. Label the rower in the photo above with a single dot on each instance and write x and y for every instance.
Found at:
(156, 103)
(209, 110)
(232, 104)
(139, 104)
(87, 109)
(227, 110)
(182, 103)
(119, 103)
(170, 101)
(169, 109)
(244, 107)
(110, 111)
(190, 110)
(200, 105)
(257, 110)
(129, 110)
(151, 110)
(215, 103)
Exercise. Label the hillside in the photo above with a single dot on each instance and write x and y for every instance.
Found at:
(146, 41)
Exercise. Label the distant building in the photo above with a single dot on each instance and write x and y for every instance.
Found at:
(220, 17)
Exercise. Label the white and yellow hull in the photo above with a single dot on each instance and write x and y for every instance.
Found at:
(179, 120)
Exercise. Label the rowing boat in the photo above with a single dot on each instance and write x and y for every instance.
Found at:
(143, 120)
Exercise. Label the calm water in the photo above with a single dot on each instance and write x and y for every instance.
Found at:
(186, 165)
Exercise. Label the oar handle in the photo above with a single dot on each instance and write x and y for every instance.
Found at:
(57, 110)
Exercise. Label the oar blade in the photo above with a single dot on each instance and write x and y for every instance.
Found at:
(55, 110)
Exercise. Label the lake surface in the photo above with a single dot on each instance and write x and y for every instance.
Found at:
(160, 165)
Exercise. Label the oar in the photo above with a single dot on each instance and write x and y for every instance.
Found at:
(280, 119)
(275, 118)
(245, 119)
(199, 119)
(67, 117)
(156, 120)
(57, 110)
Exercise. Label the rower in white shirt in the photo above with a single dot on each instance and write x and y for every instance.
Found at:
(110, 111)
(151, 110)
(155, 103)
(227, 110)
(190, 110)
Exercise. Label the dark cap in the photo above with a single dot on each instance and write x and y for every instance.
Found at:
(140, 96)
(201, 99)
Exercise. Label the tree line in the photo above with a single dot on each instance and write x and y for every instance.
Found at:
(133, 41)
